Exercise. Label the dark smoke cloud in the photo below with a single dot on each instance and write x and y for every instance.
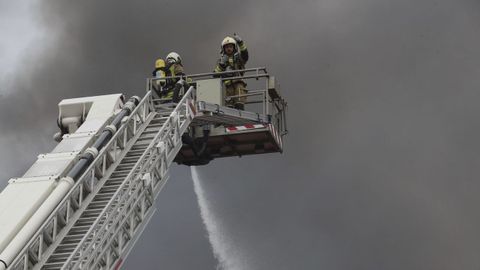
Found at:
(380, 169)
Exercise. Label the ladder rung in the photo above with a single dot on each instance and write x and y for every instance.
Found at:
(109, 188)
(105, 195)
(160, 119)
(121, 171)
(94, 201)
(96, 206)
(83, 220)
(127, 163)
(80, 227)
(72, 239)
(53, 265)
(124, 168)
(65, 246)
(134, 157)
(114, 183)
(150, 130)
(136, 149)
(145, 138)
(59, 256)
(92, 214)
(123, 175)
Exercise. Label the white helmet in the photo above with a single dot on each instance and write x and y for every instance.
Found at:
(175, 57)
(229, 40)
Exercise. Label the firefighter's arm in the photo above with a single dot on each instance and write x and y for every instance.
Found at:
(244, 52)
(178, 71)
(168, 65)
(242, 47)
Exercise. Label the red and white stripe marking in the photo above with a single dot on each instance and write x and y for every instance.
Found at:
(272, 129)
(244, 127)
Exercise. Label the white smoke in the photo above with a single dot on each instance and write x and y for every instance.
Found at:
(228, 255)
(21, 35)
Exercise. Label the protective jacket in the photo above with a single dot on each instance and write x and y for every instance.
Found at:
(170, 70)
(236, 61)
(169, 85)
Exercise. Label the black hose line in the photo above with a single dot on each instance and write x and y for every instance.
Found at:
(87, 158)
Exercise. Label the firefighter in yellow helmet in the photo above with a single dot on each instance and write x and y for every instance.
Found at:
(169, 89)
(234, 56)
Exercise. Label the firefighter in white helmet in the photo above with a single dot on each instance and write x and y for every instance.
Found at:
(234, 56)
(169, 89)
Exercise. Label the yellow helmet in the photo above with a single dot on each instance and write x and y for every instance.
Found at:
(159, 63)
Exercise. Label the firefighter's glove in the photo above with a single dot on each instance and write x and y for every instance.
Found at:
(238, 39)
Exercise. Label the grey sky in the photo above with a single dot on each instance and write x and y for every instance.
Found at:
(380, 169)
(20, 33)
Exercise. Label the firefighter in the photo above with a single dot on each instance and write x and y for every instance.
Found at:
(233, 56)
(169, 89)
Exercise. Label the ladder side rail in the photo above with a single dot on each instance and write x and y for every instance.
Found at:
(139, 212)
(126, 241)
(166, 132)
(85, 248)
(128, 213)
(124, 247)
(51, 228)
(163, 160)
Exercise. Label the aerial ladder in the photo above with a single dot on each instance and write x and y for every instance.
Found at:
(85, 204)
